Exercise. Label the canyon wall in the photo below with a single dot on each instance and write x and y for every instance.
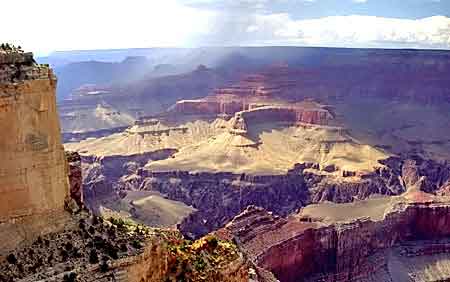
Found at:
(309, 248)
(33, 170)
(218, 197)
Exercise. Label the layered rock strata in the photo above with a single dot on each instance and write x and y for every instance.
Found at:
(218, 197)
(33, 175)
(348, 242)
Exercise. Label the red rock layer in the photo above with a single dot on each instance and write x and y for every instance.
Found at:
(301, 247)
(257, 91)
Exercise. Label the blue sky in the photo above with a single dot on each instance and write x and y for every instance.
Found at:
(48, 25)
(307, 9)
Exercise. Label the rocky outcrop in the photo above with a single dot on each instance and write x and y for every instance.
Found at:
(94, 249)
(329, 242)
(219, 197)
(106, 176)
(253, 107)
(415, 172)
(75, 178)
(78, 136)
(33, 178)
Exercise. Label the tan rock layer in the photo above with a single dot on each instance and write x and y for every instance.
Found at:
(33, 169)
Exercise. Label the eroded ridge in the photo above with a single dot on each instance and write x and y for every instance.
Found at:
(401, 238)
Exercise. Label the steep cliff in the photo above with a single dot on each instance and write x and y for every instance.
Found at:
(33, 175)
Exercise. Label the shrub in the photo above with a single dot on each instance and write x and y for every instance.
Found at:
(136, 244)
(64, 255)
(11, 258)
(112, 250)
(93, 257)
(68, 246)
(104, 265)
(70, 277)
(123, 247)
(212, 242)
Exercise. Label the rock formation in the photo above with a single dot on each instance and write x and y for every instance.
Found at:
(257, 98)
(41, 241)
(75, 178)
(218, 197)
(94, 249)
(365, 241)
(33, 179)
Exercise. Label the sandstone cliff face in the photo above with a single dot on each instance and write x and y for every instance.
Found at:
(33, 179)
(345, 243)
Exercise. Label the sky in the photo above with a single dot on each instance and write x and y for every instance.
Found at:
(43, 26)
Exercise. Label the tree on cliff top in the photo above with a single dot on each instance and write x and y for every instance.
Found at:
(10, 47)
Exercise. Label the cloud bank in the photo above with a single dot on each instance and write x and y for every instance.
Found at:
(336, 31)
(48, 25)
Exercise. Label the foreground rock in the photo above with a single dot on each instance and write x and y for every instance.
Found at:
(100, 250)
(33, 180)
(374, 240)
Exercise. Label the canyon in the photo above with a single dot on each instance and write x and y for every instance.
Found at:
(311, 186)
(249, 143)
(47, 234)
(319, 169)
(330, 75)
(385, 239)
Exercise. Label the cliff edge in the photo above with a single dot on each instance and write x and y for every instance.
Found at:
(33, 170)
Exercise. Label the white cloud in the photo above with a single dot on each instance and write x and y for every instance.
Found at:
(342, 31)
(47, 25)
(360, 1)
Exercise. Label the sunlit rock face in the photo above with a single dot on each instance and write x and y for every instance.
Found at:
(387, 239)
(259, 97)
(33, 175)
